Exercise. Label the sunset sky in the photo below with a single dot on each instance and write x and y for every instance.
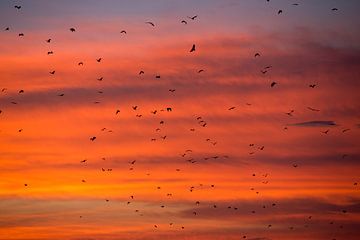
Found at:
(254, 135)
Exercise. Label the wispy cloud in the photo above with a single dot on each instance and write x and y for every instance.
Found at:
(314, 124)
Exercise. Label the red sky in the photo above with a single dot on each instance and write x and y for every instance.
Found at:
(234, 159)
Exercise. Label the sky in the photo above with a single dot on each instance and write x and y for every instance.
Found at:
(254, 135)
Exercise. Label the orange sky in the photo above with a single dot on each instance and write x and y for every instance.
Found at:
(256, 172)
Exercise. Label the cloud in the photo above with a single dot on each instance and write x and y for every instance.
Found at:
(284, 208)
(315, 159)
(314, 124)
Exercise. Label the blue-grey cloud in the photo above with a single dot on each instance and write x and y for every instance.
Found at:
(314, 124)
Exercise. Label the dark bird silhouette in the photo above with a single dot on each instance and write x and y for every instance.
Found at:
(21, 91)
(99, 59)
(21, 35)
(231, 108)
(49, 40)
(201, 70)
(72, 30)
(123, 31)
(334, 9)
(117, 111)
(17, 7)
(312, 85)
(273, 84)
(192, 48)
(313, 109)
(151, 23)
(345, 130)
(171, 90)
(50, 52)
(141, 72)
(135, 107)
(184, 22)
(52, 72)
(193, 18)
(92, 138)
(290, 113)
(7, 29)
(80, 64)
(83, 161)
(100, 79)
(280, 11)
(169, 109)
(326, 132)
(257, 55)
